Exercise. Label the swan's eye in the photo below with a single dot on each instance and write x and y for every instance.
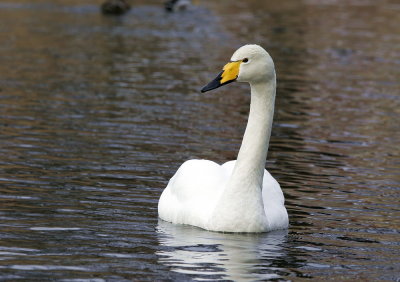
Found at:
(245, 60)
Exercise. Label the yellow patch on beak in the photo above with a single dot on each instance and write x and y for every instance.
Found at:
(230, 71)
(229, 74)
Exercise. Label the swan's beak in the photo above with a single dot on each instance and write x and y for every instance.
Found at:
(229, 74)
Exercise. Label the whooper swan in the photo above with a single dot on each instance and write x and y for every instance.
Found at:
(238, 196)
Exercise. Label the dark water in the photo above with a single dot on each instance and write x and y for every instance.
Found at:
(98, 112)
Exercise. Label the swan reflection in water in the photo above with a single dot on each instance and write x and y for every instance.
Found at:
(212, 255)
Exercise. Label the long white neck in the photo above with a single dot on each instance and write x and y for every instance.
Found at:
(249, 169)
(240, 207)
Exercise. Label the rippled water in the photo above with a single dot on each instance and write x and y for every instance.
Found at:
(98, 112)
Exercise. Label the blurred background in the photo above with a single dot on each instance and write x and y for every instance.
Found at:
(98, 111)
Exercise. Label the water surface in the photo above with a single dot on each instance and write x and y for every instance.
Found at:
(97, 113)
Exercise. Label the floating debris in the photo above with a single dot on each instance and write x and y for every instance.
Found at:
(115, 7)
(176, 5)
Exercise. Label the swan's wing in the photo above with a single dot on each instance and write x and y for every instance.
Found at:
(274, 203)
(228, 167)
(192, 192)
(196, 179)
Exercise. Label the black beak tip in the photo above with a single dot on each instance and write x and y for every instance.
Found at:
(204, 89)
(212, 85)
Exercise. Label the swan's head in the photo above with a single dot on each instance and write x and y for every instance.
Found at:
(250, 63)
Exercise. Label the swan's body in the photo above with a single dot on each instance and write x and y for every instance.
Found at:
(238, 196)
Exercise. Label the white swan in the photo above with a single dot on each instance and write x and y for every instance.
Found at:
(238, 196)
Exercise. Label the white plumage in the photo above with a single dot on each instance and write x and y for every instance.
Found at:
(238, 196)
